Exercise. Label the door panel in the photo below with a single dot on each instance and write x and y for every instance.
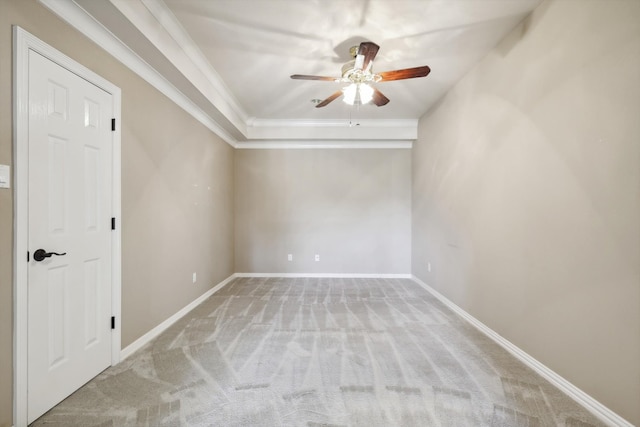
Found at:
(58, 320)
(91, 189)
(57, 185)
(69, 296)
(92, 285)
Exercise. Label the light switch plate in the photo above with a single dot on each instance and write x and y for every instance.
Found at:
(5, 176)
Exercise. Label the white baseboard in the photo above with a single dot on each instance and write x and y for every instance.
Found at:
(329, 275)
(146, 338)
(605, 414)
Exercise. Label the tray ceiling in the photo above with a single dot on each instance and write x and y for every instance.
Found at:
(231, 59)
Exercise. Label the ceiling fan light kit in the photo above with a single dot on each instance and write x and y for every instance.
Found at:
(357, 94)
(358, 74)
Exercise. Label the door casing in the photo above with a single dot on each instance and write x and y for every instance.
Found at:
(23, 42)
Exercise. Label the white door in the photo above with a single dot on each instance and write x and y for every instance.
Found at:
(69, 295)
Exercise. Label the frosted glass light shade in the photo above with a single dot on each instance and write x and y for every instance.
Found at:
(350, 93)
(366, 93)
(357, 94)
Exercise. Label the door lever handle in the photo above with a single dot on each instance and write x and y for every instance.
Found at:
(41, 254)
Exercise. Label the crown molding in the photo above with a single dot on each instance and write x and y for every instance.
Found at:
(383, 130)
(74, 15)
(157, 24)
(323, 144)
(383, 123)
(168, 21)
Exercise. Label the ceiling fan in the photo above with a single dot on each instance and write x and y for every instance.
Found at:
(359, 75)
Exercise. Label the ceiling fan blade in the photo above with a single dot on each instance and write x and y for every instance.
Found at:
(305, 77)
(366, 52)
(378, 98)
(407, 73)
(329, 99)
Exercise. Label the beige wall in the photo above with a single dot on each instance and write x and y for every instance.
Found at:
(177, 215)
(177, 192)
(6, 222)
(526, 195)
(352, 207)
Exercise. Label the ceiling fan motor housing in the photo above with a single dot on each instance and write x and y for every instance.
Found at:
(348, 68)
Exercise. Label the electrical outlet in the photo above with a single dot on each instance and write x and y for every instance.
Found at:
(317, 257)
(290, 257)
(194, 277)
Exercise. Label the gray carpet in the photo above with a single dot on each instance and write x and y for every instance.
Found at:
(320, 352)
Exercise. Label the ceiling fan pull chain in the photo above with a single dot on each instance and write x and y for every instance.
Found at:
(351, 123)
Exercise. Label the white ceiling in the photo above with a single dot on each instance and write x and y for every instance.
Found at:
(231, 59)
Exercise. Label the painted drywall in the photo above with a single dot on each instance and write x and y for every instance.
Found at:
(177, 214)
(177, 192)
(6, 225)
(526, 195)
(352, 207)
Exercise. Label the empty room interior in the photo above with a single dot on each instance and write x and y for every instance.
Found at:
(461, 250)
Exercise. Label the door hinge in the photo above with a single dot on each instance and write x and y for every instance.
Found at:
(113, 124)
(113, 223)
(113, 322)
(28, 256)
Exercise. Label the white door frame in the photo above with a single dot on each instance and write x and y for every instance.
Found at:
(23, 42)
